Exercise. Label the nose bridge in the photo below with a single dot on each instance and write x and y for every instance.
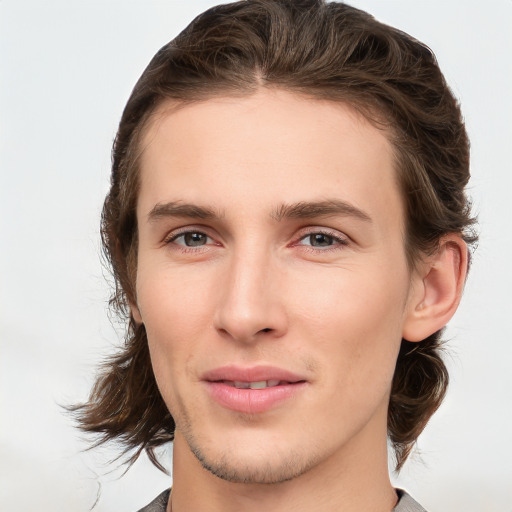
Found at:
(250, 302)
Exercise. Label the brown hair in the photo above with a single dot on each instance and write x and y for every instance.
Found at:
(325, 50)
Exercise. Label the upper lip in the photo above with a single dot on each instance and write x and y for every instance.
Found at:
(251, 374)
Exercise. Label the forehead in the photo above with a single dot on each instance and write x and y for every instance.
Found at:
(266, 149)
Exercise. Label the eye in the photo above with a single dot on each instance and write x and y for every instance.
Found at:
(321, 240)
(318, 240)
(190, 239)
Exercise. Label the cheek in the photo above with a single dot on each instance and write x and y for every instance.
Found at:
(175, 310)
(173, 299)
(355, 319)
(354, 296)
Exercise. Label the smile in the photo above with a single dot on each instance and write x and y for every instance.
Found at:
(252, 390)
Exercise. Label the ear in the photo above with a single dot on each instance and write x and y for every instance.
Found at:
(436, 289)
(135, 311)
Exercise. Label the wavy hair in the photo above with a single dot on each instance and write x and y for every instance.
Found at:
(323, 50)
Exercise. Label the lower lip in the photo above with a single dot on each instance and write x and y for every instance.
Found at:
(252, 401)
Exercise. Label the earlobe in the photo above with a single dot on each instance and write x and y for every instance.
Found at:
(438, 289)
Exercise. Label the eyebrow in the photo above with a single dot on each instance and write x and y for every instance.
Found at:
(179, 209)
(306, 210)
(300, 210)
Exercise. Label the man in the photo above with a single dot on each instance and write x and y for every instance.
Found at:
(288, 231)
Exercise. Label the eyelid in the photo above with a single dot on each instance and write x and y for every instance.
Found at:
(176, 233)
(337, 236)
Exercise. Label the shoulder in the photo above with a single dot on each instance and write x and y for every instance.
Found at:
(159, 504)
(406, 503)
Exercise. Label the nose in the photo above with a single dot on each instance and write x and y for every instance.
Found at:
(251, 304)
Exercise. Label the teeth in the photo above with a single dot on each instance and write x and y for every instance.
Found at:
(262, 384)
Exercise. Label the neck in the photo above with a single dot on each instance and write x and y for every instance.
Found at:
(355, 479)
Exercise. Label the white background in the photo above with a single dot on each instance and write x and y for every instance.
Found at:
(66, 70)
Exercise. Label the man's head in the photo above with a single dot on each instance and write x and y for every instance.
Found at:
(328, 72)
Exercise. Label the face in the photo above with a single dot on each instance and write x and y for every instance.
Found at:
(272, 281)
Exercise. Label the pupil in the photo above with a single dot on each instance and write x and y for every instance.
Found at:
(320, 240)
(195, 239)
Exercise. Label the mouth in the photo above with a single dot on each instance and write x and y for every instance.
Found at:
(261, 384)
(252, 390)
(245, 377)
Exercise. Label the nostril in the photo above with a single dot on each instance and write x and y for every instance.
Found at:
(267, 329)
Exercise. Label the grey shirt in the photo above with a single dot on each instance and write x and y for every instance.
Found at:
(405, 503)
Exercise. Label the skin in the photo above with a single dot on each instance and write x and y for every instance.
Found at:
(327, 296)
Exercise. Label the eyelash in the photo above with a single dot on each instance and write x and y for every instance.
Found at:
(338, 241)
(172, 237)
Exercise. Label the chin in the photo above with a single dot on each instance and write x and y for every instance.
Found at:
(252, 469)
(249, 460)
